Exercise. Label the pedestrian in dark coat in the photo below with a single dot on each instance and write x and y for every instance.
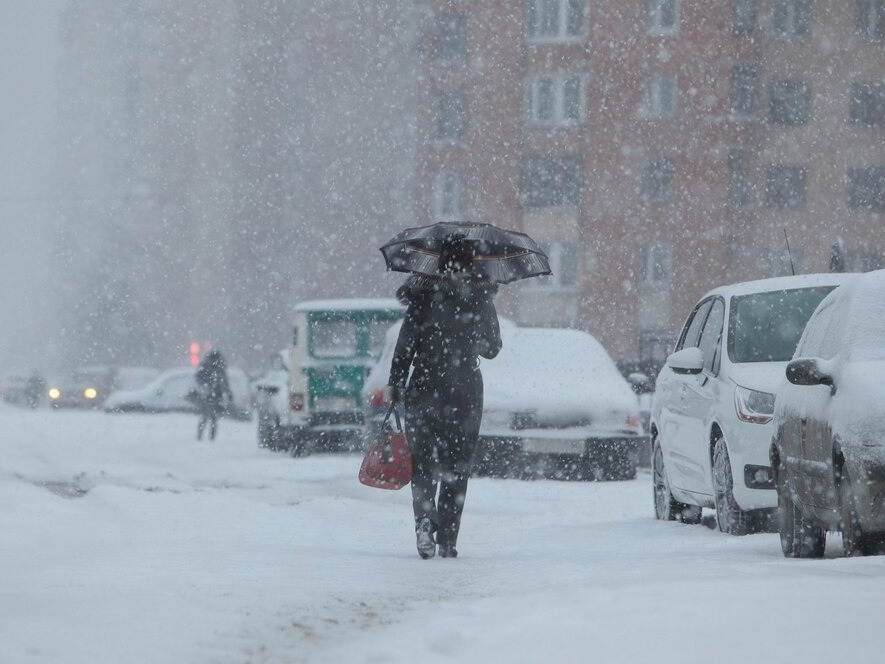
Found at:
(450, 322)
(213, 388)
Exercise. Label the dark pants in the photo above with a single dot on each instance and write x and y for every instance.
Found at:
(210, 411)
(442, 427)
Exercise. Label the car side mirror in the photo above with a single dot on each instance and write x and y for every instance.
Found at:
(807, 371)
(688, 361)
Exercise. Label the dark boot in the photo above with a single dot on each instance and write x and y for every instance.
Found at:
(424, 531)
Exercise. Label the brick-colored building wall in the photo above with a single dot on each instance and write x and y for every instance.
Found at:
(636, 311)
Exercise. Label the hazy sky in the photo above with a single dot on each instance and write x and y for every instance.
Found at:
(28, 55)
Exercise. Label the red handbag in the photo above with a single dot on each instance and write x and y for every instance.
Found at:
(388, 461)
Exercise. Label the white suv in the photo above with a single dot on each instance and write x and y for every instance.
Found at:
(714, 399)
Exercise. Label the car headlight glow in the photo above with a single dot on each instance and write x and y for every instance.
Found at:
(54, 393)
(753, 406)
(90, 393)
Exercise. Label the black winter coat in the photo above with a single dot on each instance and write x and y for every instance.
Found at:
(450, 322)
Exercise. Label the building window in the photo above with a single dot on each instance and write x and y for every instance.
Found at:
(866, 188)
(743, 18)
(744, 99)
(556, 20)
(657, 180)
(663, 17)
(450, 116)
(556, 100)
(660, 98)
(446, 196)
(563, 258)
(789, 102)
(451, 31)
(791, 18)
(657, 264)
(785, 186)
(868, 104)
(552, 182)
(870, 19)
(738, 184)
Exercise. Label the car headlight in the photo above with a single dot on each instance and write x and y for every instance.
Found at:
(753, 406)
(90, 393)
(54, 393)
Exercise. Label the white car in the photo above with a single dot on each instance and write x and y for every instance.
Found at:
(555, 405)
(168, 392)
(714, 399)
(271, 395)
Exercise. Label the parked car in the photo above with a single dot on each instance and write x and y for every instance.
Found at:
(14, 389)
(168, 392)
(270, 393)
(828, 450)
(334, 343)
(555, 405)
(714, 400)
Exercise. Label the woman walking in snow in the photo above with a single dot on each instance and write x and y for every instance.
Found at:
(450, 322)
(213, 388)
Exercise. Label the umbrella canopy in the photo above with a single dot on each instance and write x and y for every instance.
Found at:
(500, 255)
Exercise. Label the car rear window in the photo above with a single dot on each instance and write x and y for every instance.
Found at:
(766, 327)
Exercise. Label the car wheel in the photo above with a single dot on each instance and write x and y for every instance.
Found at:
(800, 536)
(730, 518)
(855, 541)
(668, 508)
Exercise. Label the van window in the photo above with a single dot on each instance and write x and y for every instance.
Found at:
(333, 337)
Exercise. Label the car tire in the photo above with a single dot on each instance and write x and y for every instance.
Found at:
(855, 541)
(668, 508)
(730, 518)
(800, 536)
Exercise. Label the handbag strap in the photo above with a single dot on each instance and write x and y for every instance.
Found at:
(395, 413)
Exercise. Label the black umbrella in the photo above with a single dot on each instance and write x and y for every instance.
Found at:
(500, 255)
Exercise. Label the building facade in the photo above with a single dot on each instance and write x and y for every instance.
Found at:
(656, 148)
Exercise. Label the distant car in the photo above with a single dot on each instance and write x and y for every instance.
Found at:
(86, 387)
(714, 400)
(828, 451)
(555, 405)
(14, 389)
(168, 392)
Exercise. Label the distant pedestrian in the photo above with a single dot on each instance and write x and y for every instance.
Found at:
(213, 389)
(450, 322)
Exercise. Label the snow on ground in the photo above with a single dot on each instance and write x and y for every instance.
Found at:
(126, 540)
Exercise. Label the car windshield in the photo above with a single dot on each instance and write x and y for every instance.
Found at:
(765, 327)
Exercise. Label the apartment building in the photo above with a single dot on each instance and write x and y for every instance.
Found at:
(656, 148)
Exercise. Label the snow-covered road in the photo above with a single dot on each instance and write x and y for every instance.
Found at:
(123, 539)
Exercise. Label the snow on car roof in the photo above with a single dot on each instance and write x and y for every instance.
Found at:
(782, 283)
(865, 317)
(557, 371)
(350, 304)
